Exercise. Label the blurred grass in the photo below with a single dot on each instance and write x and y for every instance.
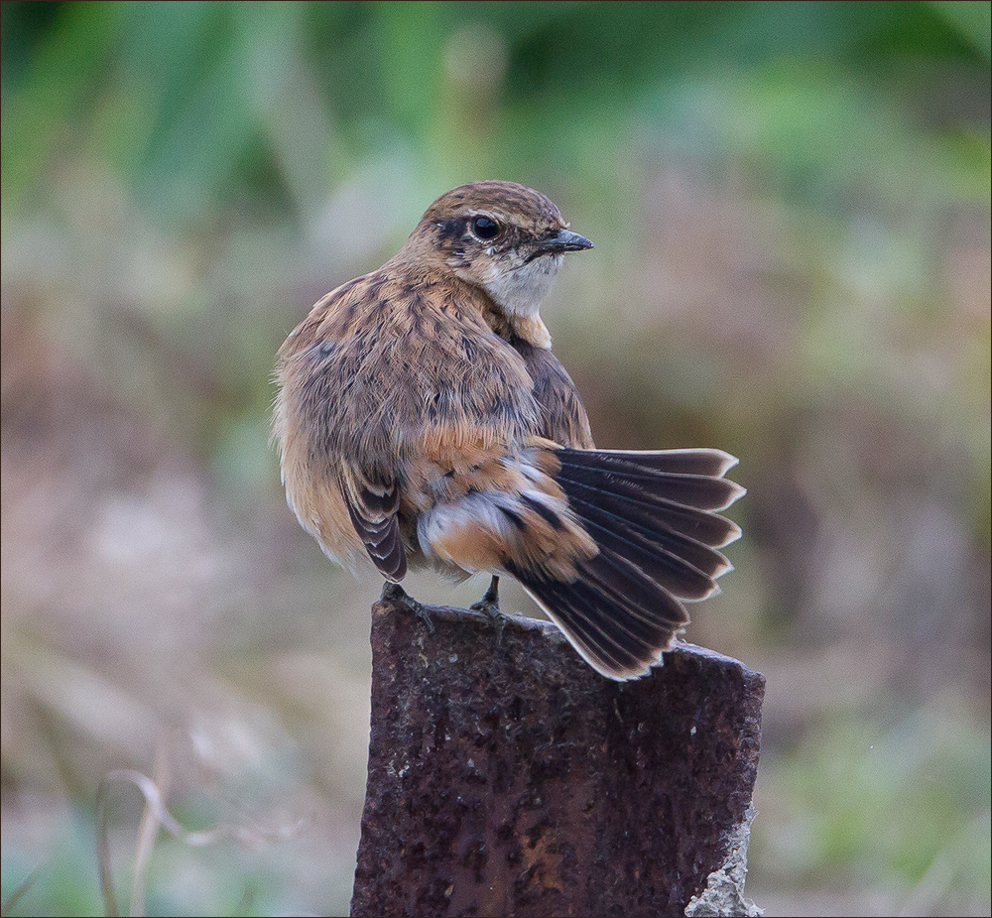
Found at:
(791, 210)
(869, 801)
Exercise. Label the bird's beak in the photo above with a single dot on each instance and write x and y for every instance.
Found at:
(564, 241)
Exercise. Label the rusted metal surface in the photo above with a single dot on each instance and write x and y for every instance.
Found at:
(509, 778)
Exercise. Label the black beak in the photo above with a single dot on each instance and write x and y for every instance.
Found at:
(563, 241)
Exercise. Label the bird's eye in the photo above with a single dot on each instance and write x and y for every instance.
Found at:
(485, 228)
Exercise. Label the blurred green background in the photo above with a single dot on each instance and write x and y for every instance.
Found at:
(791, 209)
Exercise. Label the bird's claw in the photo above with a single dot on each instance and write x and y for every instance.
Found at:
(489, 605)
(393, 592)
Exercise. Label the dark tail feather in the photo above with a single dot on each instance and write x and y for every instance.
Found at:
(713, 463)
(652, 517)
(618, 619)
(661, 497)
(683, 566)
(697, 490)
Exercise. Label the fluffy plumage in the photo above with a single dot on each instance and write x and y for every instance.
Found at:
(422, 419)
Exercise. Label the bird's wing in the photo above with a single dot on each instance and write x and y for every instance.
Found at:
(563, 417)
(372, 505)
(330, 401)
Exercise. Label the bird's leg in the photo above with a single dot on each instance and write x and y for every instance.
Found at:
(490, 605)
(393, 592)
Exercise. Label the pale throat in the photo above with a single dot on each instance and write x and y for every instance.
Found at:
(519, 291)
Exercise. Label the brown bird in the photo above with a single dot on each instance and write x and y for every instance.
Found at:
(422, 419)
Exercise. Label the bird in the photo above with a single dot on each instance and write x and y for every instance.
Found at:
(422, 420)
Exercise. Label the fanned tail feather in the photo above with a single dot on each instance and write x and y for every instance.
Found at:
(652, 516)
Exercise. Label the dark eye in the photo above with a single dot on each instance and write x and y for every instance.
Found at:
(485, 228)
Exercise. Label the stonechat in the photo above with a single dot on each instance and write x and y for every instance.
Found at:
(422, 419)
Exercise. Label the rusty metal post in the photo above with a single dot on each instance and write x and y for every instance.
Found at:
(508, 778)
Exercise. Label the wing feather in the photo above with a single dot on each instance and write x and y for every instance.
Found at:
(373, 505)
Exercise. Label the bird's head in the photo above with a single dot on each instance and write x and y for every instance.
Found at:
(503, 237)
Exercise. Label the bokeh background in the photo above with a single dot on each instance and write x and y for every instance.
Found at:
(791, 209)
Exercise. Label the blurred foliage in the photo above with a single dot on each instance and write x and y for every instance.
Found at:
(852, 802)
(791, 209)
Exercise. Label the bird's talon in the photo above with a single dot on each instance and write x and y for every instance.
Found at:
(424, 616)
(497, 618)
(393, 592)
(489, 605)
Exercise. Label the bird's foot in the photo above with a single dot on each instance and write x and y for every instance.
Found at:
(489, 604)
(393, 592)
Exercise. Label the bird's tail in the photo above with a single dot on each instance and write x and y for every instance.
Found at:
(654, 519)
